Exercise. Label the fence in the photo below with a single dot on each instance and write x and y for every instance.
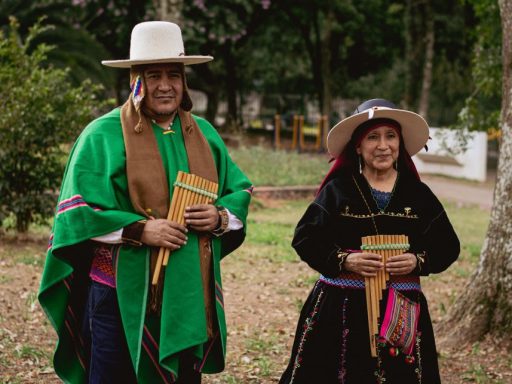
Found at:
(299, 131)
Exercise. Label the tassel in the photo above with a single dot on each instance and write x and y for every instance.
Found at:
(138, 127)
(137, 92)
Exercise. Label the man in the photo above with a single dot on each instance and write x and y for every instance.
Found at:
(114, 325)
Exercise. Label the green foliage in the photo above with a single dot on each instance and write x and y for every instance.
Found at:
(76, 47)
(85, 32)
(482, 108)
(40, 112)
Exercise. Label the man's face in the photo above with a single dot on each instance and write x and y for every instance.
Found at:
(164, 88)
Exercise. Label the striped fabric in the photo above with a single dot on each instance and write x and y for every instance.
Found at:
(73, 202)
(151, 347)
(400, 321)
(73, 327)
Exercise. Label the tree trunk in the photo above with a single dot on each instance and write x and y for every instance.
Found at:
(485, 305)
(407, 100)
(414, 50)
(317, 59)
(326, 63)
(427, 65)
(231, 89)
(212, 106)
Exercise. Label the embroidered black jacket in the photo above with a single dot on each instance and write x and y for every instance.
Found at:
(345, 210)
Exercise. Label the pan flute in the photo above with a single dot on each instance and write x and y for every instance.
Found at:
(386, 246)
(188, 190)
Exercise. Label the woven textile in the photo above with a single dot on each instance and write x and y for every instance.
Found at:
(400, 321)
(102, 268)
(354, 281)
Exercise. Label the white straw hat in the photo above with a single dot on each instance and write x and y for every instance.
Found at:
(414, 128)
(154, 42)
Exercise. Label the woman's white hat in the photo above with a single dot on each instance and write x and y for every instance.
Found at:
(154, 42)
(415, 131)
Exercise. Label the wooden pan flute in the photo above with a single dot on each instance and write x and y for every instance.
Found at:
(188, 190)
(386, 246)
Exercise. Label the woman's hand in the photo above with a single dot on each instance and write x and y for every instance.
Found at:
(401, 264)
(366, 264)
(164, 233)
(202, 217)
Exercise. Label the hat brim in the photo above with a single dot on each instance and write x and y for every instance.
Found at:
(187, 60)
(415, 130)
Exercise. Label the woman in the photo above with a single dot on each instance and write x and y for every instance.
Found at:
(373, 188)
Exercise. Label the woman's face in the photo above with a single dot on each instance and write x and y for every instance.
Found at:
(379, 148)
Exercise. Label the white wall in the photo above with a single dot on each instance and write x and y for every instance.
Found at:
(468, 164)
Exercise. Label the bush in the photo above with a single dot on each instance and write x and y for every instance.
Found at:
(40, 113)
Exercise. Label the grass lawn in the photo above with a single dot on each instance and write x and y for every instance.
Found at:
(268, 167)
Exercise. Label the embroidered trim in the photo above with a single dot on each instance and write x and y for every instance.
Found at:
(419, 368)
(50, 241)
(353, 281)
(73, 202)
(218, 295)
(199, 366)
(71, 323)
(151, 348)
(249, 190)
(342, 372)
(380, 374)
(342, 282)
(307, 328)
(392, 214)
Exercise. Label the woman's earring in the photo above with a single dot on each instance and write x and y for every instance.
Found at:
(360, 165)
(396, 164)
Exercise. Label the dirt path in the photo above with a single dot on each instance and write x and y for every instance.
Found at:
(461, 191)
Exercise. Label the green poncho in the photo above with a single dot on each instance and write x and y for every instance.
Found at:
(94, 201)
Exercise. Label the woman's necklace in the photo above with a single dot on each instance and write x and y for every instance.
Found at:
(382, 198)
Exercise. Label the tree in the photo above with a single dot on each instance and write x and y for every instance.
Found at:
(77, 48)
(481, 108)
(485, 305)
(41, 112)
(221, 29)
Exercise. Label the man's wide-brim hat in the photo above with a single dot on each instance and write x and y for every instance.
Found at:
(414, 128)
(155, 42)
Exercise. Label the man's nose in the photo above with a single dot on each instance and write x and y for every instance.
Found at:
(165, 83)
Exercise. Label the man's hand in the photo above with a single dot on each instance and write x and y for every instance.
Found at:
(202, 217)
(366, 264)
(164, 233)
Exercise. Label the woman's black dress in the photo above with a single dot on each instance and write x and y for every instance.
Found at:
(331, 343)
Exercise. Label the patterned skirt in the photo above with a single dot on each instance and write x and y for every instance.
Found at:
(331, 343)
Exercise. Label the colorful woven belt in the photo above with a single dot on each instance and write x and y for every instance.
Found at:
(354, 281)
